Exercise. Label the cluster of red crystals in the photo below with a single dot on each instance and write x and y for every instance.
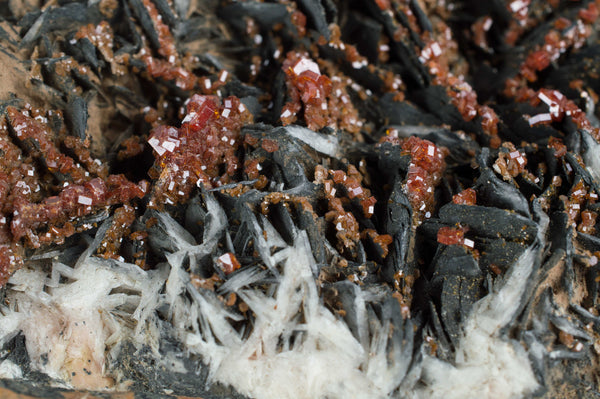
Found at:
(575, 203)
(519, 9)
(131, 147)
(18, 175)
(236, 191)
(383, 240)
(450, 236)
(510, 163)
(559, 106)
(325, 101)
(392, 82)
(464, 98)
(158, 68)
(431, 51)
(275, 197)
(269, 145)
(306, 85)
(556, 42)
(10, 260)
(424, 173)
(39, 141)
(195, 153)
(465, 197)
(588, 222)
(340, 106)
(101, 36)
(439, 54)
(123, 218)
(479, 30)
(18, 180)
(299, 21)
(84, 156)
(454, 236)
(72, 202)
(351, 181)
(351, 53)
(560, 149)
(252, 169)
(34, 209)
(166, 40)
(524, 19)
(171, 67)
(346, 226)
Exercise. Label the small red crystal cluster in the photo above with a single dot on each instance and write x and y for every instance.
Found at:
(575, 203)
(465, 197)
(325, 101)
(565, 36)
(462, 95)
(424, 172)
(171, 67)
(454, 236)
(464, 99)
(511, 162)
(37, 211)
(348, 184)
(201, 152)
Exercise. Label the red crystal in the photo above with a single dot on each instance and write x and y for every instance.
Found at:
(200, 110)
(417, 184)
(450, 236)
(465, 197)
(383, 4)
(9, 262)
(590, 14)
(368, 205)
(424, 154)
(269, 145)
(96, 189)
(228, 263)
(559, 148)
(538, 60)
